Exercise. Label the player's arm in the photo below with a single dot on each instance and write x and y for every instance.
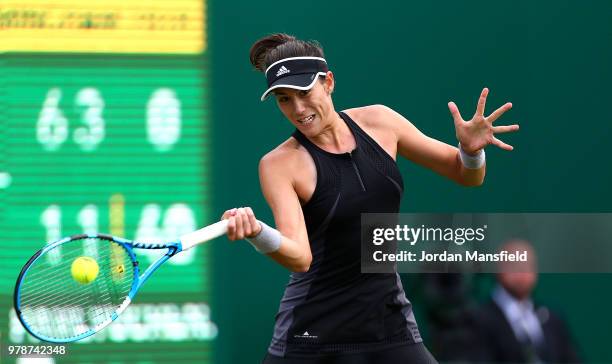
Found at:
(288, 243)
(430, 153)
(276, 176)
(465, 166)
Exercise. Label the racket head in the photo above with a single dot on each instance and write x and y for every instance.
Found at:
(53, 306)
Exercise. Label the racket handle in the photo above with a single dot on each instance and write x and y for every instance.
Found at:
(203, 235)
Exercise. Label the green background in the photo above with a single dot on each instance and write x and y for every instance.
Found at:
(551, 59)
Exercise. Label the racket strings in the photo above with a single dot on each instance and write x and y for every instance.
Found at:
(51, 294)
(68, 312)
(55, 305)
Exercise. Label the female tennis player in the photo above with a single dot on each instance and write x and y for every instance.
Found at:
(318, 182)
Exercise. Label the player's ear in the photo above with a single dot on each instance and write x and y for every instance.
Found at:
(329, 82)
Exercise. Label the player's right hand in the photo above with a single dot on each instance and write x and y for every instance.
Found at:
(242, 223)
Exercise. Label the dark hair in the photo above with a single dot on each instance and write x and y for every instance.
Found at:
(275, 47)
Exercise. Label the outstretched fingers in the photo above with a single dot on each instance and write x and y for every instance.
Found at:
(482, 101)
(505, 129)
(501, 144)
(454, 110)
(499, 112)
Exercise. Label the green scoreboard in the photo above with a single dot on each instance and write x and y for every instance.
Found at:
(104, 127)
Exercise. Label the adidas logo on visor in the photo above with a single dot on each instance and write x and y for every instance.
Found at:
(282, 71)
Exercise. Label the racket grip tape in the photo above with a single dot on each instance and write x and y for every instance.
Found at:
(203, 235)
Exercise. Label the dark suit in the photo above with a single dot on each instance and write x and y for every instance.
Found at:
(498, 342)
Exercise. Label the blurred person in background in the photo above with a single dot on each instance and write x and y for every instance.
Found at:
(511, 328)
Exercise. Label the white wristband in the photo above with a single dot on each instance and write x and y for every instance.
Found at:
(267, 241)
(472, 161)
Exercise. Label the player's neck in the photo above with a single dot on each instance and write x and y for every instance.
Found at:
(335, 136)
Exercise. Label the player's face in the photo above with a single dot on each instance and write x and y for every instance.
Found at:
(308, 110)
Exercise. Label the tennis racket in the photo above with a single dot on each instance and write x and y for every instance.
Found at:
(54, 306)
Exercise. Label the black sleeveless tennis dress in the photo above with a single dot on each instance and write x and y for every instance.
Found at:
(334, 308)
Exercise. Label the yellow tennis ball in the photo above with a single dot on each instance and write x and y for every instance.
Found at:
(84, 270)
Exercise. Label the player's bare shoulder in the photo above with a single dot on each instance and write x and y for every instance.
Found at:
(287, 158)
(378, 121)
(291, 164)
(371, 116)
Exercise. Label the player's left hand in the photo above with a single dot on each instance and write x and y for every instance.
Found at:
(479, 132)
